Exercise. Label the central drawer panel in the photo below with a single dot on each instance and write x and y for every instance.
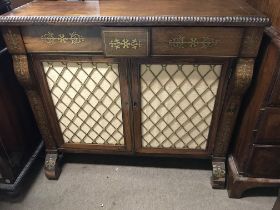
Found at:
(126, 41)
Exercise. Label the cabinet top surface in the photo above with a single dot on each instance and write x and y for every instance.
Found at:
(141, 12)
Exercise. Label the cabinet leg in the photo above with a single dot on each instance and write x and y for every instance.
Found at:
(238, 184)
(52, 166)
(218, 178)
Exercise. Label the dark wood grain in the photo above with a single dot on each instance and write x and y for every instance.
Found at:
(268, 126)
(141, 8)
(264, 162)
(271, 8)
(186, 12)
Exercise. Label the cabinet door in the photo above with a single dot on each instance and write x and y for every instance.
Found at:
(87, 98)
(175, 105)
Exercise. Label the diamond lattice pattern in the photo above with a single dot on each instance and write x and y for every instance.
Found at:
(177, 103)
(87, 101)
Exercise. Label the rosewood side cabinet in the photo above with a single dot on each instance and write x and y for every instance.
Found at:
(135, 77)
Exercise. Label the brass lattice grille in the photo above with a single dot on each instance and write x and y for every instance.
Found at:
(87, 101)
(177, 103)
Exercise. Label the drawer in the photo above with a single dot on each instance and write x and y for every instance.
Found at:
(126, 41)
(264, 162)
(205, 41)
(62, 39)
(268, 131)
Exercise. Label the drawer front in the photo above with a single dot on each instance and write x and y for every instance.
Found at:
(126, 41)
(264, 162)
(268, 131)
(62, 39)
(196, 41)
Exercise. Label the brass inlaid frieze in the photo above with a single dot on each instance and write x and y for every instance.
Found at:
(125, 43)
(193, 42)
(72, 38)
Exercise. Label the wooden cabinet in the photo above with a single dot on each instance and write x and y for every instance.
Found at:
(255, 159)
(132, 80)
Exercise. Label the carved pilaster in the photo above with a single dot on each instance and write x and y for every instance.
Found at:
(13, 40)
(22, 71)
(15, 46)
(41, 118)
(238, 84)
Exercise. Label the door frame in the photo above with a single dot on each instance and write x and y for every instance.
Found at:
(52, 120)
(226, 63)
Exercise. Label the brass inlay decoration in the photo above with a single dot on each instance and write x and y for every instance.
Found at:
(50, 163)
(73, 38)
(218, 174)
(193, 42)
(219, 171)
(13, 40)
(125, 43)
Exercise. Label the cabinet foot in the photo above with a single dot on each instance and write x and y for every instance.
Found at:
(52, 166)
(218, 178)
(238, 184)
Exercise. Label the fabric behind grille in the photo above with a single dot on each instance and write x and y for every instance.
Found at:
(177, 103)
(87, 101)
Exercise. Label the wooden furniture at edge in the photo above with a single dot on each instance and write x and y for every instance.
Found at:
(19, 137)
(118, 77)
(255, 159)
